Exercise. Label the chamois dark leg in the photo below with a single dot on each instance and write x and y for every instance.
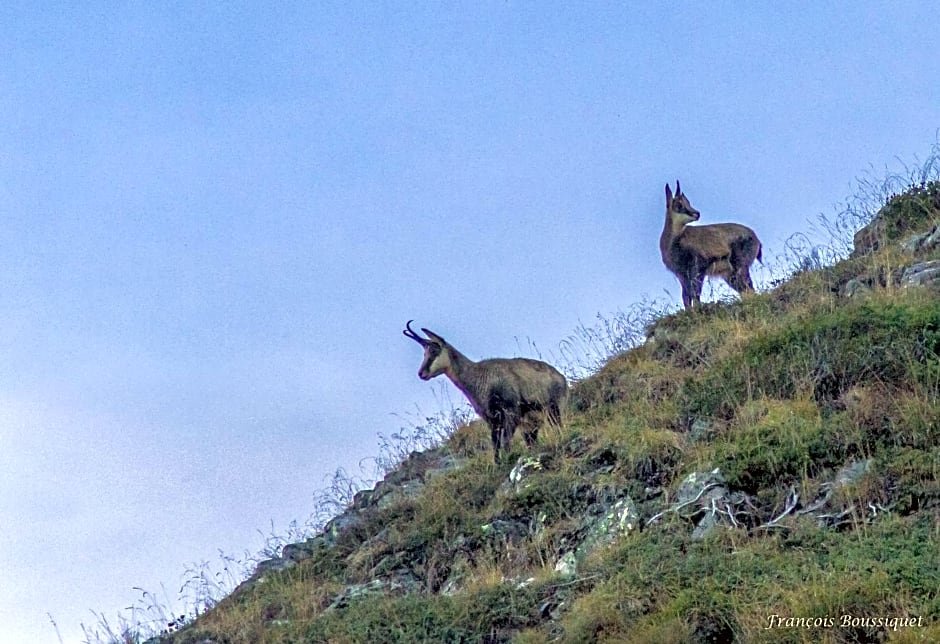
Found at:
(495, 431)
(502, 426)
(686, 294)
(744, 277)
(554, 413)
(509, 427)
(530, 428)
(740, 280)
(692, 288)
(742, 256)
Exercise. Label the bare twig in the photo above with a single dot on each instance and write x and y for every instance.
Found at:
(676, 508)
(793, 499)
(819, 502)
(575, 581)
(731, 514)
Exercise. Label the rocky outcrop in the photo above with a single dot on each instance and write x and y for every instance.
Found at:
(922, 242)
(922, 274)
(704, 499)
(893, 225)
(405, 482)
(917, 208)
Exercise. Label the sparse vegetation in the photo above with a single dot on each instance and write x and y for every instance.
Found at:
(801, 396)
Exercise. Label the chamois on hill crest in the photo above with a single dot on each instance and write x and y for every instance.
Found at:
(505, 392)
(694, 252)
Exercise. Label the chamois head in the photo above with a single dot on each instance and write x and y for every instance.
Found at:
(437, 357)
(680, 208)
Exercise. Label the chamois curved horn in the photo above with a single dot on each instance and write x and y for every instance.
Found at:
(410, 333)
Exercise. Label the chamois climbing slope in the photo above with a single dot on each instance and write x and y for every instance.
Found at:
(764, 470)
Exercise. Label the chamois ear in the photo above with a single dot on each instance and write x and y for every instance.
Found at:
(668, 195)
(409, 333)
(434, 336)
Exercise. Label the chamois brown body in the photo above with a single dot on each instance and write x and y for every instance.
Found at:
(694, 252)
(505, 392)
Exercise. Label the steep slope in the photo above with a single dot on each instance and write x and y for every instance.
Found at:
(760, 471)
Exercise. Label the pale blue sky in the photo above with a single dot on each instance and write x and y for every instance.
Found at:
(216, 218)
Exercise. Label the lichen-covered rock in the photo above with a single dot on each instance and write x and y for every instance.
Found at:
(402, 583)
(567, 564)
(704, 498)
(701, 430)
(621, 518)
(518, 476)
(852, 472)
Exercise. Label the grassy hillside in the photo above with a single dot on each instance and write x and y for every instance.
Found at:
(754, 471)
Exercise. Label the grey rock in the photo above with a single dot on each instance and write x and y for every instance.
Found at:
(345, 521)
(700, 430)
(274, 565)
(400, 487)
(852, 472)
(932, 240)
(913, 244)
(356, 591)
(302, 550)
(456, 577)
(405, 491)
(504, 530)
(451, 587)
(869, 238)
(922, 241)
(447, 463)
(262, 570)
(520, 473)
(706, 526)
(620, 518)
(567, 564)
(921, 274)
(695, 485)
(401, 583)
(708, 492)
(363, 499)
(854, 288)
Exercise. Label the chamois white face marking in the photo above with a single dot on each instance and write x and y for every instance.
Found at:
(682, 210)
(436, 360)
